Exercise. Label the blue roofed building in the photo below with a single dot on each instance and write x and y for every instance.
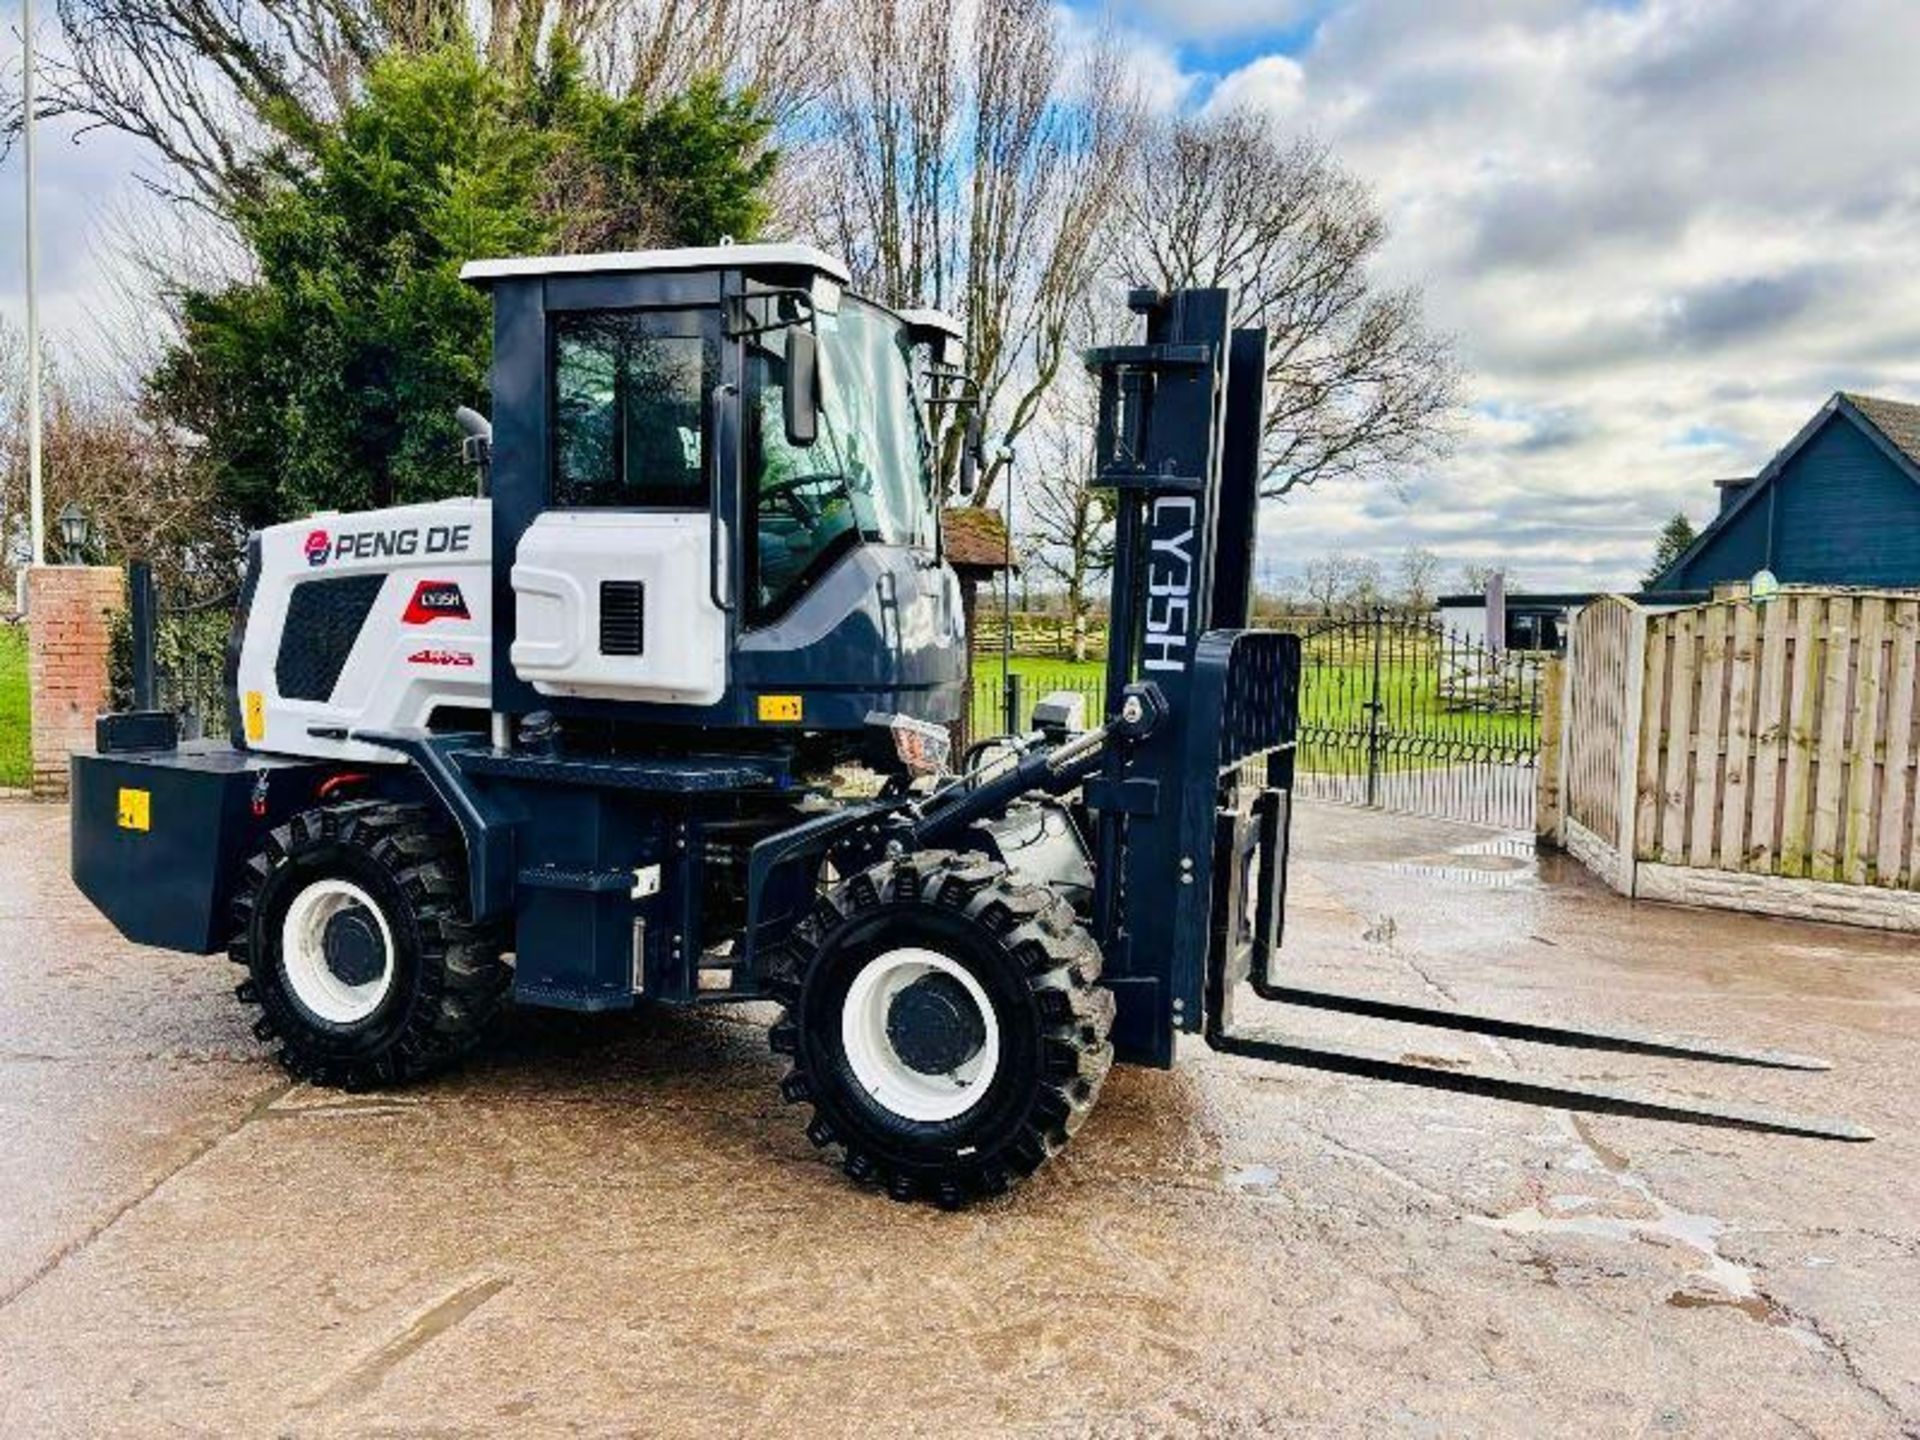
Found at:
(1840, 505)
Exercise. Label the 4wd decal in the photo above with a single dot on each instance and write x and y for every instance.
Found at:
(435, 600)
(455, 659)
(382, 544)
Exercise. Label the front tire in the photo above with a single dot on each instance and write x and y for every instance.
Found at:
(352, 925)
(945, 1023)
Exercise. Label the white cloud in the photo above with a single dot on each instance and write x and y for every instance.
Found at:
(1662, 231)
(1643, 222)
(1275, 85)
(81, 179)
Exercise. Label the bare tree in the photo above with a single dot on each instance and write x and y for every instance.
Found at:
(1338, 580)
(139, 484)
(1419, 578)
(1365, 589)
(1325, 579)
(213, 85)
(1069, 521)
(217, 86)
(969, 163)
(1355, 382)
(657, 48)
(1474, 578)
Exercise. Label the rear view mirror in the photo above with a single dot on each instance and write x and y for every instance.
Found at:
(972, 442)
(802, 400)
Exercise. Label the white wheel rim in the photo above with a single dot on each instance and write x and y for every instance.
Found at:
(303, 953)
(888, 1079)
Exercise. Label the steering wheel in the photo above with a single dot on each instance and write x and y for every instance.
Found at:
(787, 491)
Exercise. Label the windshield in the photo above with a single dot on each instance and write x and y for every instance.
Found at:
(866, 477)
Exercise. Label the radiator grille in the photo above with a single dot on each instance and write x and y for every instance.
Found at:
(623, 617)
(324, 618)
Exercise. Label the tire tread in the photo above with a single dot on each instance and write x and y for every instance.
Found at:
(1062, 967)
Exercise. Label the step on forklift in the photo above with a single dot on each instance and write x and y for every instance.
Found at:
(580, 740)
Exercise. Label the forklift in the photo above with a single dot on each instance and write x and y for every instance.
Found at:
(583, 739)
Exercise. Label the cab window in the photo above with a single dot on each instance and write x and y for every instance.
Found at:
(629, 404)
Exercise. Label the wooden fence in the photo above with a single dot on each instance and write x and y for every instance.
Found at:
(1600, 693)
(1778, 740)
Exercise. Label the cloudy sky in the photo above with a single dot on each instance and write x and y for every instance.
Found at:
(1662, 233)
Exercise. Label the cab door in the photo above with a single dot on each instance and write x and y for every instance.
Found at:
(614, 583)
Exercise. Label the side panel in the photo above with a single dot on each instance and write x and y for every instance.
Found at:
(1847, 514)
(373, 621)
(618, 605)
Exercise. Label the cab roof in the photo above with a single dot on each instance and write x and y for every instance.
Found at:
(937, 321)
(626, 262)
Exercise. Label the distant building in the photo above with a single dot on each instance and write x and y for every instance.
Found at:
(974, 541)
(1532, 624)
(1840, 505)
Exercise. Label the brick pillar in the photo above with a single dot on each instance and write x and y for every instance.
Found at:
(69, 609)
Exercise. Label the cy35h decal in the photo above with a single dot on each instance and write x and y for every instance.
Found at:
(436, 600)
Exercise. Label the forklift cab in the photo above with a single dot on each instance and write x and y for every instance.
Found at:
(713, 494)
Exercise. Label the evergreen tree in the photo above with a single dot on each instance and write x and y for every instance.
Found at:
(329, 378)
(1675, 537)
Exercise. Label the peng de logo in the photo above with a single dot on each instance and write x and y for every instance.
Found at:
(1170, 583)
(401, 543)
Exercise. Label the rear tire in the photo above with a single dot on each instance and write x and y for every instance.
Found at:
(352, 925)
(945, 1024)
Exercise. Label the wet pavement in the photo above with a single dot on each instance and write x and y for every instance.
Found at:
(615, 1227)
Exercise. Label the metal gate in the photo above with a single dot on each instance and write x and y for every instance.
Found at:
(190, 633)
(191, 653)
(1399, 713)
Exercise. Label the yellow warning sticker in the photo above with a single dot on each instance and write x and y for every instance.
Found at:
(256, 715)
(780, 709)
(136, 810)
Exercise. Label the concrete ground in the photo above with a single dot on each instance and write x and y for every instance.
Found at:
(615, 1227)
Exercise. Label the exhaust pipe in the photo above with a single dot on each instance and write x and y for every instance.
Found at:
(476, 449)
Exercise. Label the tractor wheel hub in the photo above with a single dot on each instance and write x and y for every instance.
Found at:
(352, 947)
(934, 1025)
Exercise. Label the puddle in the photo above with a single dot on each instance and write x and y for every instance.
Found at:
(1754, 1307)
(365, 1377)
(1506, 862)
(1252, 1179)
(1717, 1282)
(1610, 1159)
(324, 1106)
(1433, 1062)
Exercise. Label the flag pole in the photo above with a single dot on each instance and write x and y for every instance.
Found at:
(36, 501)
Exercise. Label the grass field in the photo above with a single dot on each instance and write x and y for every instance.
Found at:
(1419, 725)
(16, 765)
